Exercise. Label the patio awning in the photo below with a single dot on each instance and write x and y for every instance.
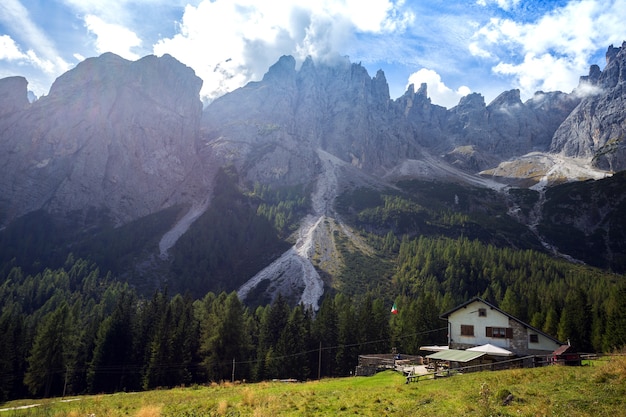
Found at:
(454, 355)
(434, 348)
(492, 350)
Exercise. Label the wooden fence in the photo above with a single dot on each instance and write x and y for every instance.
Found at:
(533, 361)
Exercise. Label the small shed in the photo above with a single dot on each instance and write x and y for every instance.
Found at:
(565, 355)
(454, 356)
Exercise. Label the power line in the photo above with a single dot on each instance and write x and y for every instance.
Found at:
(119, 369)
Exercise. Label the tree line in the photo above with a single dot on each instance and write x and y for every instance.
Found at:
(74, 330)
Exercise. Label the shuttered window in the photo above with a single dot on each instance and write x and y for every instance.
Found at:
(499, 332)
(467, 330)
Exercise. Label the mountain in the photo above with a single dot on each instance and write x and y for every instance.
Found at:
(112, 136)
(302, 182)
(596, 127)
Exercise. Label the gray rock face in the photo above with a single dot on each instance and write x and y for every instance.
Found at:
(503, 129)
(114, 135)
(130, 138)
(13, 95)
(339, 108)
(597, 127)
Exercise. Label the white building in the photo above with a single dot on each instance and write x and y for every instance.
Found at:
(478, 322)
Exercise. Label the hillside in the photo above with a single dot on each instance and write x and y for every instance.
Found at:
(596, 390)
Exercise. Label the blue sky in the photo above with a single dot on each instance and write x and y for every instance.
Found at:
(457, 47)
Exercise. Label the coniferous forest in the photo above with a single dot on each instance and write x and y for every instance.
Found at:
(71, 326)
(76, 330)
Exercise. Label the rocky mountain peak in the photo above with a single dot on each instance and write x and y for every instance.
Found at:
(13, 94)
(596, 128)
(284, 69)
(109, 131)
(593, 77)
(507, 99)
(612, 53)
(471, 101)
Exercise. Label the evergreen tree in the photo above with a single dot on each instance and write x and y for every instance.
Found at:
(615, 334)
(224, 337)
(512, 305)
(325, 333)
(12, 331)
(49, 356)
(575, 322)
(273, 321)
(347, 335)
(292, 345)
(551, 324)
(112, 367)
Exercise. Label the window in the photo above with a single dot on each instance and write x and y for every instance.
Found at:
(482, 312)
(467, 330)
(533, 338)
(499, 332)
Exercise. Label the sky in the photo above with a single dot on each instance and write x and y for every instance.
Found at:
(455, 46)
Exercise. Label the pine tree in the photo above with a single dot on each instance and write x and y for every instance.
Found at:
(11, 329)
(325, 333)
(48, 356)
(615, 334)
(575, 322)
(224, 337)
(292, 345)
(347, 335)
(113, 367)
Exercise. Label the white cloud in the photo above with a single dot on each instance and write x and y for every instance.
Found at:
(503, 4)
(231, 42)
(41, 52)
(438, 92)
(587, 90)
(545, 72)
(114, 38)
(9, 49)
(553, 51)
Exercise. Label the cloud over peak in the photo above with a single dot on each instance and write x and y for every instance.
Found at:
(230, 42)
(550, 52)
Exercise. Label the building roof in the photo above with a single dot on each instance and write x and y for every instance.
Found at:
(455, 355)
(561, 350)
(434, 348)
(478, 299)
(492, 350)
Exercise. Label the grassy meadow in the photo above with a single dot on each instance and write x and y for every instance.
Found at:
(598, 389)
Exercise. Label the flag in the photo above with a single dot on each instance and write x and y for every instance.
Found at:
(394, 309)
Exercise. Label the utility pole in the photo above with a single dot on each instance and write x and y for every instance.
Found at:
(319, 363)
(67, 371)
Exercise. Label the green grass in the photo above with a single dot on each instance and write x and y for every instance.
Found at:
(595, 390)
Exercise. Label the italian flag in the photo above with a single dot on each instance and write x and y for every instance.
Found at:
(394, 309)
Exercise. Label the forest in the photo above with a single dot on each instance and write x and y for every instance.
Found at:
(75, 330)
